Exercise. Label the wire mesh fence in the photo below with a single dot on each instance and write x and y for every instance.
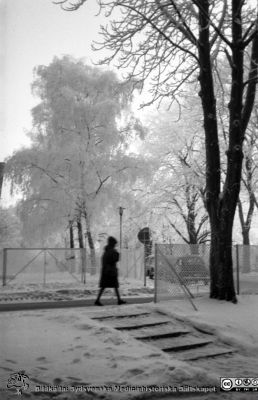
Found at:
(245, 262)
(247, 258)
(177, 268)
(131, 263)
(183, 270)
(37, 266)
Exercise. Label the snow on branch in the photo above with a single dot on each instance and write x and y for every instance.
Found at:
(67, 5)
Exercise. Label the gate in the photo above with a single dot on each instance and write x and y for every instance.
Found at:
(38, 266)
(132, 263)
(181, 270)
(43, 266)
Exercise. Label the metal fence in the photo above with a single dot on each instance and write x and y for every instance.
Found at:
(43, 266)
(245, 263)
(131, 263)
(179, 268)
(37, 266)
(246, 257)
(183, 270)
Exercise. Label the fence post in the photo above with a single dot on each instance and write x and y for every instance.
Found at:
(144, 265)
(155, 275)
(135, 265)
(126, 260)
(237, 268)
(83, 261)
(4, 266)
(45, 268)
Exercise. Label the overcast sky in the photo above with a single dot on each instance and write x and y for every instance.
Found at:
(32, 33)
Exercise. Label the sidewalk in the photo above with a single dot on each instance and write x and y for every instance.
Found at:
(40, 305)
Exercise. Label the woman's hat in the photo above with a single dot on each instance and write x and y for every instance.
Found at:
(111, 241)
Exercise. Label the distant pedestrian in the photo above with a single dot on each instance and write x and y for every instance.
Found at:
(109, 272)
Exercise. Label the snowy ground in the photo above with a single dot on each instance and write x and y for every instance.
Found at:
(60, 286)
(65, 348)
(70, 290)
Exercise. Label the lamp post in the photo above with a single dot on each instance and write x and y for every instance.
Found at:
(121, 210)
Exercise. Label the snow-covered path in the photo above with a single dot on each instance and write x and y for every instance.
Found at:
(66, 348)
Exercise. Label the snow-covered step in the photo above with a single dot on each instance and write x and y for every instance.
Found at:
(183, 342)
(159, 331)
(136, 323)
(131, 314)
(211, 350)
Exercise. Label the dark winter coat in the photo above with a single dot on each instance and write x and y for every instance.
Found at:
(109, 272)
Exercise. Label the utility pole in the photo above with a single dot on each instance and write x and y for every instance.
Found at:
(121, 209)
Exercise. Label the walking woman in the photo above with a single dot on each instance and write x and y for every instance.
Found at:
(109, 272)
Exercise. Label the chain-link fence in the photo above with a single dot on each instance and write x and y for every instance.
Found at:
(43, 266)
(177, 268)
(131, 263)
(245, 261)
(183, 270)
(49, 266)
(247, 258)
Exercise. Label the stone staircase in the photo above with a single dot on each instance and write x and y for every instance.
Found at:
(180, 340)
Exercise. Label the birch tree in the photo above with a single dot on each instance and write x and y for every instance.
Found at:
(10, 233)
(82, 126)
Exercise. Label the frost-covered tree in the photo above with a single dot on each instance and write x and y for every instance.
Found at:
(81, 129)
(175, 194)
(10, 230)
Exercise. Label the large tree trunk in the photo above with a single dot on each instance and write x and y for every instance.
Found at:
(80, 234)
(221, 213)
(191, 228)
(214, 257)
(221, 206)
(71, 256)
(2, 165)
(246, 258)
(71, 235)
(221, 263)
(191, 200)
(246, 236)
(246, 225)
(246, 222)
(83, 250)
(90, 242)
(226, 290)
